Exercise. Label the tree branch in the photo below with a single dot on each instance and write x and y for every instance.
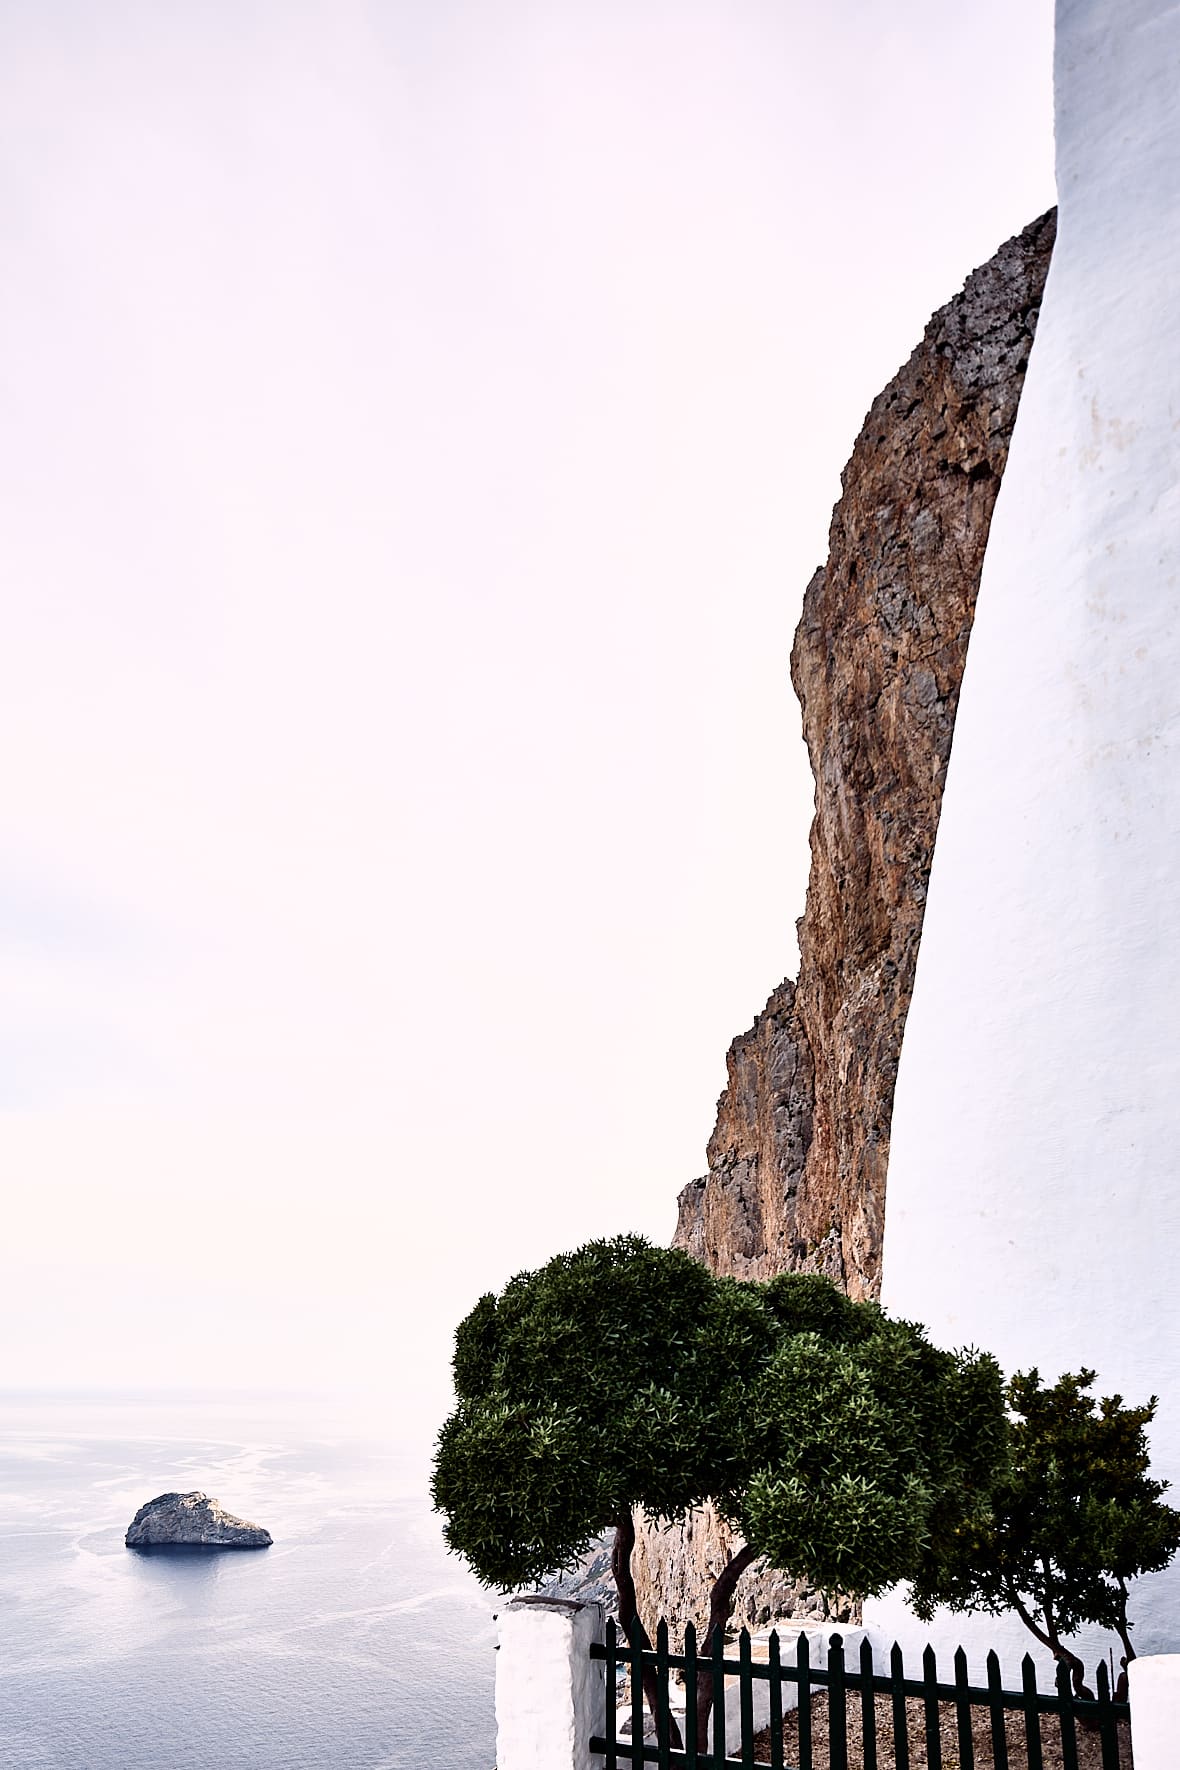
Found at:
(720, 1610)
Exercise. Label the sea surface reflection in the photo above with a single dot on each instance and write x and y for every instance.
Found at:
(354, 1641)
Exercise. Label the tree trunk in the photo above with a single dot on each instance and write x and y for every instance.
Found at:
(720, 1611)
(1123, 1629)
(620, 1566)
(1048, 1637)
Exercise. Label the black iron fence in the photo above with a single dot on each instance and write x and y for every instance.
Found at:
(848, 1728)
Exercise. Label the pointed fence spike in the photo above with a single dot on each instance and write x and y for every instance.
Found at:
(691, 1743)
(1032, 1713)
(803, 1669)
(662, 1636)
(1065, 1716)
(996, 1713)
(1106, 1721)
(837, 1702)
(636, 1634)
(774, 1660)
(963, 1712)
(930, 1709)
(897, 1703)
(868, 1706)
(746, 1699)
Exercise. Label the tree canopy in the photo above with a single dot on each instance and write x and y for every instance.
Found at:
(841, 1443)
(591, 1386)
(1074, 1518)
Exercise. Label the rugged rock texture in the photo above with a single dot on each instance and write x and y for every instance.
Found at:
(797, 1161)
(675, 1569)
(192, 1520)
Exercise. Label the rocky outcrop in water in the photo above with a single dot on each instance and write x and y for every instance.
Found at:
(192, 1521)
(797, 1160)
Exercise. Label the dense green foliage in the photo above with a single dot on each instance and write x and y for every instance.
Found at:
(588, 1387)
(874, 1450)
(1074, 1517)
(841, 1443)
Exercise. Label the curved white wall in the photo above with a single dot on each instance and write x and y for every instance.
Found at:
(1033, 1202)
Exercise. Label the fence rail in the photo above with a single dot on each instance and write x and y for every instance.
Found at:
(794, 1686)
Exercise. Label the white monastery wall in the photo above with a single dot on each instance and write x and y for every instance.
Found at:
(1033, 1203)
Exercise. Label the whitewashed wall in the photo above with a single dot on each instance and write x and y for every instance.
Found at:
(1033, 1202)
(550, 1696)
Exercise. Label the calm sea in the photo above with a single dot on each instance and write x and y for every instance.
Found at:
(355, 1643)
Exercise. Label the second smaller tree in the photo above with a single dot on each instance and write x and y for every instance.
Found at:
(1075, 1517)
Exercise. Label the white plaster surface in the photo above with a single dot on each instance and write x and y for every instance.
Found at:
(1155, 1711)
(1033, 1203)
(550, 1695)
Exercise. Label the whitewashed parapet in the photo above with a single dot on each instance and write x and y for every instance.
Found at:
(1155, 1710)
(550, 1695)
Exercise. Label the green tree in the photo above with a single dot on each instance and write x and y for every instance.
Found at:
(595, 1385)
(840, 1443)
(1074, 1518)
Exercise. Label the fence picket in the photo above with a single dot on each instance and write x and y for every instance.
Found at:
(612, 1694)
(718, 1694)
(746, 1700)
(996, 1712)
(901, 1731)
(1069, 1732)
(1108, 1731)
(691, 1743)
(1032, 1716)
(803, 1665)
(930, 1705)
(663, 1698)
(837, 1710)
(776, 1703)
(963, 1713)
(868, 1706)
(636, 1637)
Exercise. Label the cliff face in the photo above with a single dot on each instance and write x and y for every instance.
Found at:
(797, 1160)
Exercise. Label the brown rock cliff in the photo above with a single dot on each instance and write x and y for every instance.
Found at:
(797, 1160)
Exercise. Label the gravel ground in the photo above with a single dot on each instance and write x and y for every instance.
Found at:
(1089, 1745)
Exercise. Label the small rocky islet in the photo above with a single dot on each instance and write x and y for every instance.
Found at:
(192, 1521)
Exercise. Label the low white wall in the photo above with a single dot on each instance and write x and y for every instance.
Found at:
(1155, 1711)
(550, 1695)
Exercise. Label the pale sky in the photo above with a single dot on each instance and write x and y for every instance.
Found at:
(420, 421)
